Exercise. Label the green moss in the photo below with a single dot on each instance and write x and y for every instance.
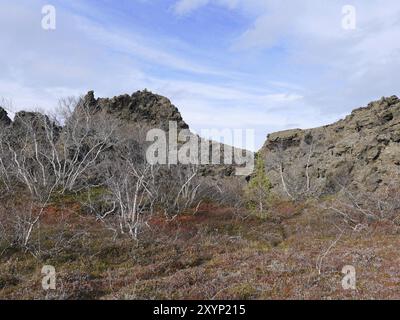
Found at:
(94, 194)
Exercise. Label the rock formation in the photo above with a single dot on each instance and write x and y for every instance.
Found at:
(360, 152)
(134, 114)
(141, 107)
(4, 119)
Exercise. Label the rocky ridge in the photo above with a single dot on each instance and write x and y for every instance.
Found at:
(141, 107)
(360, 152)
(4, 119)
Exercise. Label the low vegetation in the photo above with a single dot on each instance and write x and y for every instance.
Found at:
(78, 195)
(211, 254)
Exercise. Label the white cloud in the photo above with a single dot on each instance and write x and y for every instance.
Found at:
(186, 6)
(213, 106)
(183, 7)
(39, 67)
(134, 45)
(292, 64)
(342, 68)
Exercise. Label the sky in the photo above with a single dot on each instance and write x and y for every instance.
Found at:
(267, 65)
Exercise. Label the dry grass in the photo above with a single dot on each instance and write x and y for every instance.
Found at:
(214, 254)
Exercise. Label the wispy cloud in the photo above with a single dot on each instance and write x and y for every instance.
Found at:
(183, 7)
(136, 46)
(262, 64)
(186, 6)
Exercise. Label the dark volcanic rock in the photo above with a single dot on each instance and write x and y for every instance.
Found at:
(141, 107)
(33, 122)
(133, 115)
(360, 152)
(4, 119)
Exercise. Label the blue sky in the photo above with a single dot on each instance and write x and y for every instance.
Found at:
(264, 64)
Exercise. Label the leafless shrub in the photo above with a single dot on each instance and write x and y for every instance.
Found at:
(130, 192)
(357, 210)
(26, 151)
(296, 181)
(41, 159)
(78, 151)
(178, 188)
(137, 190)
(83, 141)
